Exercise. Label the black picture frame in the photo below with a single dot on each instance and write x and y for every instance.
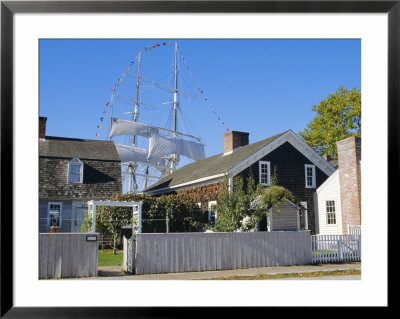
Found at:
(9, 8)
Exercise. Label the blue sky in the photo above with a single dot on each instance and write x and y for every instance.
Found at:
(262, 87)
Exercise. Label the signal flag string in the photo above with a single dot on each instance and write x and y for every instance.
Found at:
(119, 80)
(146, 49)
(205, 98)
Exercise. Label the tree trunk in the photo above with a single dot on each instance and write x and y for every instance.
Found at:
(114, 244)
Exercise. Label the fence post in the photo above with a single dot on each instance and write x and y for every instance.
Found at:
(340, 249)
(359, 246)
(312, 248)
(167, 223)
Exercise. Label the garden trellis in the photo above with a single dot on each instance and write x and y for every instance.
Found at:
(136, 211)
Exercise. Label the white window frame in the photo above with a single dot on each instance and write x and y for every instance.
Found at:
(210, 211)
(306, 166)
(334, 212)
(48, 213)
(304, 204)
(75, 206)
(75, 161)
(260, 164)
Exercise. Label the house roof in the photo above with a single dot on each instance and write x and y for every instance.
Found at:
(211, 166)
(63, 147)
(215, 167)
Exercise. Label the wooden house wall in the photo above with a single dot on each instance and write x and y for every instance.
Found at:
(288, 164)
(66, 216)
(100, 179)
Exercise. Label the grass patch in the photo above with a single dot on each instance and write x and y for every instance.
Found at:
(293, 275)
(106, 258)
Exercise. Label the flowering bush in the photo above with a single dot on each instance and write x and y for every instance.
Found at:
(242, 208)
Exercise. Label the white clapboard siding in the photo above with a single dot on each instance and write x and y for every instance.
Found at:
(65, 255)
(186, 252)
(328, 191)
(335, 248)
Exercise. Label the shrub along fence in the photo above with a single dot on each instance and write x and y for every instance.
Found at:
(181, 252)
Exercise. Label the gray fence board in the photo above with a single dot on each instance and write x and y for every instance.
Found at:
(61, 254)
(51, 259)
(65, 256)
(43, 255)
(180, 252)
(58, 257)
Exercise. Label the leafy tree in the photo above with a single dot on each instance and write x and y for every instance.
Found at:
(337, 117)
(243, 207)
(235, 205)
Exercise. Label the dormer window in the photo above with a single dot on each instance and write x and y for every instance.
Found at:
(75, 171)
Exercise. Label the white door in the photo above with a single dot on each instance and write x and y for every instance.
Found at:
(78, 213)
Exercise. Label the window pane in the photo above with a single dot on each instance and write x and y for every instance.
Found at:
(309, 176)
(74, 178)
(330, 211)
(74, 173)
(264, 173)
(54, 215)
(75, 169)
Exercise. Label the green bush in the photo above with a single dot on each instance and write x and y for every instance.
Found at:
(183, 213)
(247, 204)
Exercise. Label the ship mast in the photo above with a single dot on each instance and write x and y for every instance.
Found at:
(135, 112)
(174, 157)
(132, 166)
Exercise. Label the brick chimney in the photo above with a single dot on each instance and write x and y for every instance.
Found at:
(349, 157)
(42, 126)
(235, 139)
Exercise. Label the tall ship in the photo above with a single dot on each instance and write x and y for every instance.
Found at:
(150, 137)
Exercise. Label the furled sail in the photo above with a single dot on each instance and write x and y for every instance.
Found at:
(126, 127)
(135, 154)
(160, 145)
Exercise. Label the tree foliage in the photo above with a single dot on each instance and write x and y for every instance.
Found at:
(337, 117)
(243, 207)
(234, 205)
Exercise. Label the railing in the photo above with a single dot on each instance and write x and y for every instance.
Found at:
(335, 248)
(354, 230)
(107, 241)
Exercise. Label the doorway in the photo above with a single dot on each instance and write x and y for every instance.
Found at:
(78, 215)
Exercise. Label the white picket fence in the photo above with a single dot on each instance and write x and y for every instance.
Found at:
(354, 229)
(335, 248)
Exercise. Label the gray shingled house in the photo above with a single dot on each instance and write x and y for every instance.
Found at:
(298, 168)
(71, 172)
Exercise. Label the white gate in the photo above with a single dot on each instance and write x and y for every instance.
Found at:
(335, 248)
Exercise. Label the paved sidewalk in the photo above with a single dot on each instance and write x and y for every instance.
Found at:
(116, 273)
